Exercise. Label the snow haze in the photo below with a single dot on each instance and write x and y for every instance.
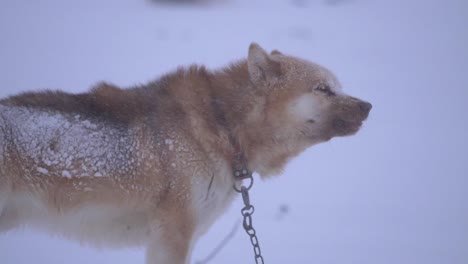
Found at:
(397, 192)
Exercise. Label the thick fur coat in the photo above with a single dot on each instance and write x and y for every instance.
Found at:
(152, 165)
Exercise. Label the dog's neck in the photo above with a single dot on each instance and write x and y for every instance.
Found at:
(242, 107)
(228, 103)
(233, 98)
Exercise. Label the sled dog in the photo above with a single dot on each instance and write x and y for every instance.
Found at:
(153, 165)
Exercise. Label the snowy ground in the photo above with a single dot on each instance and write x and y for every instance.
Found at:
(395, 193)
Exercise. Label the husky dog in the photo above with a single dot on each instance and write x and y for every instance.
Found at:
(153, 165)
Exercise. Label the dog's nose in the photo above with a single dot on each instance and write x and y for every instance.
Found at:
(365, 107)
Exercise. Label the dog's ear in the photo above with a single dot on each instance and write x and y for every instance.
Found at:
(261, 66)
(276, 52)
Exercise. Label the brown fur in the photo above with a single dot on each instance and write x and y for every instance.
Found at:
(182, 136)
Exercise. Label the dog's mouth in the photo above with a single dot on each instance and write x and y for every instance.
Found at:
(343, 127)
(350, 119)
(338, 128)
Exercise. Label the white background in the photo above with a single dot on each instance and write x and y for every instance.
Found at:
(397, 192)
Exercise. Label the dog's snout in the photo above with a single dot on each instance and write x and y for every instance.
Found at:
(365, 107)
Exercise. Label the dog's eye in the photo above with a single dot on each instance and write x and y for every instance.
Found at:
(325, 89)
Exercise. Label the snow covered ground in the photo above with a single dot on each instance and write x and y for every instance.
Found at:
(397, 192)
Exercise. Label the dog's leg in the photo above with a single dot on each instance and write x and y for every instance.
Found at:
(8, 219)
(8, 214)
(169, 244)
(3, 198)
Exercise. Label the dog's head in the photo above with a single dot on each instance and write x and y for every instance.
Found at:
(303, 105)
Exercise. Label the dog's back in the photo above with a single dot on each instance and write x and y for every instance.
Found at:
(100, 166)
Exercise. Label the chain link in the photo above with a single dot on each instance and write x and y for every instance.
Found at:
(247, 212)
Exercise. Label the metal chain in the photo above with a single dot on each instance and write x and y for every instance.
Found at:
(247, 213)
